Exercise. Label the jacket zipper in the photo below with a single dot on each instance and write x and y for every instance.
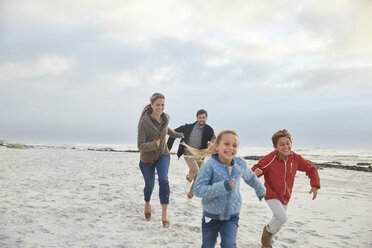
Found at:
(291, 167)
(227, 208)
(285, 177)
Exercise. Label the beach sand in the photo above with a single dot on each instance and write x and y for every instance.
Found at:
(53, 197)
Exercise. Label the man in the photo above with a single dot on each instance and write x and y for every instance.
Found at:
(196, 135)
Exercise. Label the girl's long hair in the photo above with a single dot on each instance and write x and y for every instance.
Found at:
(203, 153)
(153, 98)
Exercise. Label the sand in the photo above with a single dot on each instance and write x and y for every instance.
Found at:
(78, 198)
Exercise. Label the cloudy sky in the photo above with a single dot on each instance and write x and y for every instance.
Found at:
(80, 71)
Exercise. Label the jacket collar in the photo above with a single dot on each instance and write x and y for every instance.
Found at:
(216, 158)
(198, 126)
(289, 157)
(147, 120)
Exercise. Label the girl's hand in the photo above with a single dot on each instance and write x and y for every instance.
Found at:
(257, 171)
(314, 191)
(231, 182)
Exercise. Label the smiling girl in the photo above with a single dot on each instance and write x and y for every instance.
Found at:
(218, 185)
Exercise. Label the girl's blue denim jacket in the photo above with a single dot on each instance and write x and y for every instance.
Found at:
(219, 200)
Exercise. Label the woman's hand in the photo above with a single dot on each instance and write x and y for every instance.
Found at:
(314, 191)
(157, 142)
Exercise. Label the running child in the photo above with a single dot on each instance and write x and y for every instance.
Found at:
(218, 185)
(279, 169)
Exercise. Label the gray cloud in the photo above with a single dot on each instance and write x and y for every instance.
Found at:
(69, 77)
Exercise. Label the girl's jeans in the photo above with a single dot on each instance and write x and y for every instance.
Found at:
(227, 229)
(148, 172)
(279, 215)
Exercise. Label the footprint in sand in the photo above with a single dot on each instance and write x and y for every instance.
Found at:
(2, 237)
(289, 241)
(299, 223)
(314, 233)
(44, 230)
(343, 237)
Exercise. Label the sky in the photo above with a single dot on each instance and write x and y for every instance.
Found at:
(81, 71)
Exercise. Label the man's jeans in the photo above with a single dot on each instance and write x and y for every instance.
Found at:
(148, 172)
(227, 229)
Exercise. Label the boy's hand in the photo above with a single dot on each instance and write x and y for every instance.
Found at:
(314, 191)
(231, 183)
(257, 171)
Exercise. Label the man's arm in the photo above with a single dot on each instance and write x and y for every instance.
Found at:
(170, 141)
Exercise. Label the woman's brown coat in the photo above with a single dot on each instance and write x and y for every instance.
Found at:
(147, 136)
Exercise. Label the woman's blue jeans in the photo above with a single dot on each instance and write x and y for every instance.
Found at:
(227, 229)
(148, 172)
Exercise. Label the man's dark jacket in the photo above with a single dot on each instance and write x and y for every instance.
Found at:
(208, 135)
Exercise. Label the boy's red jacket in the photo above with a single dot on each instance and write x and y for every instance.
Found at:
(279, 175)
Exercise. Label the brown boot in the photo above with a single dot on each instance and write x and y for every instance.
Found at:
(266, 238)
(188, 178)
(190, 195)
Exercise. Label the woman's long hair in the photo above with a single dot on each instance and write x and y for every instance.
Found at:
(203, 153)
(153, 98)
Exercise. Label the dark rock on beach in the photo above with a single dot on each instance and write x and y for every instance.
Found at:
(18, 146)
(334, 164)
(252, 157)
(104, 149)
(364, 164)
(345, 167)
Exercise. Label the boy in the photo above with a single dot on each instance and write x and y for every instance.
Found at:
(279, 169)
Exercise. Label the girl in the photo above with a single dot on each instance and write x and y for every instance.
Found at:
(279, 169)
(154, 153)
(218, 184)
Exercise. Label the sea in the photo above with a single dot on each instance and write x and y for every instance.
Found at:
(342, 157)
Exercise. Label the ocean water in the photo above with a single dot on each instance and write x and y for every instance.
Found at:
(348, 157)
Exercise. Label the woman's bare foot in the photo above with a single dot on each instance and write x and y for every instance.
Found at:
(166, 223)
(147, 211)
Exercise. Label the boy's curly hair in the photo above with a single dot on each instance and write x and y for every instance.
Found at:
(280, 134)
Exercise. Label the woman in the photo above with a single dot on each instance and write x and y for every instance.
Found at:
(152, 131)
